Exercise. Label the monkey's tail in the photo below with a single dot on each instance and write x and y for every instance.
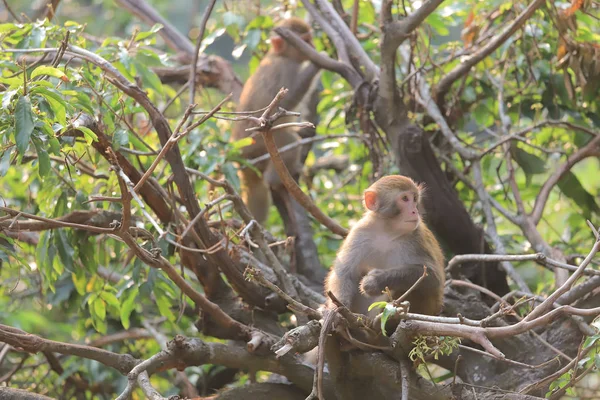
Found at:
(255, 194)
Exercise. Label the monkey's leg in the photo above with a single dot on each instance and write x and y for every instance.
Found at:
(255, 194)
(425, 298)
(297, 223)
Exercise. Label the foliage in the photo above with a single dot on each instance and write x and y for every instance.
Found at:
(435, 346)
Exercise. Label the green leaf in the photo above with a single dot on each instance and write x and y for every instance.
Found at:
(24, 123)
(12, 82)
(47, 70)
(127, 306)
(83, 100)
(379, 304)
(148, 58)
(65, 250)
(120, 138)
(388, 311)
(90, 136)
(149, 78)
(99, 324)
(573, 189)
(110, 299)
(4, 162)
(8, 27)
(238, 144)
(43, 162)
(164, 306)
(79, 281)
(56, 102)
(143, 35)
(438, 24)
(99, 308)
(530, 163)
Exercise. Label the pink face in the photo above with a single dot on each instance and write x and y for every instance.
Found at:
(409, 217)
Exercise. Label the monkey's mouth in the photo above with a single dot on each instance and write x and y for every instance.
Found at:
(413, 221)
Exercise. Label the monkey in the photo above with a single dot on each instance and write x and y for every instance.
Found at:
(388, 247)
(283, 66)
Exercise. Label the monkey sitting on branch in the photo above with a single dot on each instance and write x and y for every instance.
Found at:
(283, 66)
(389, 248)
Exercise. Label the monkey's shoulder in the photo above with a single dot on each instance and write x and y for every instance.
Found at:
(263, 85)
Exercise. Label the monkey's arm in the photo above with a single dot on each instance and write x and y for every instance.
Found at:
(399, 280)
(299, 85)
(346, 273)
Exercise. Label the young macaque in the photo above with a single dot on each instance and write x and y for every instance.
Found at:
(283, 66)
(388, 247)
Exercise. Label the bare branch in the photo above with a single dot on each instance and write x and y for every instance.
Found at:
(205, 17)
(321, 60)
(34, 344)
(547, 304)
(397, 31)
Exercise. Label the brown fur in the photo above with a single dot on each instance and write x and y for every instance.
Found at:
(283, 66)
(376, 254)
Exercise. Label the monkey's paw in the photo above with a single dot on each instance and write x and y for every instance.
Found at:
(370, 285)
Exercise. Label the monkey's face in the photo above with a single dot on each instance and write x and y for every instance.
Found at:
(408, 217)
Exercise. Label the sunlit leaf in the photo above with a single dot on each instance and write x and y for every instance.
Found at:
(127, 306)
(47, 70)
(143, 35)
(378, 304)
(110, 299)
(388, 311)
(24, 123)
(90, 136)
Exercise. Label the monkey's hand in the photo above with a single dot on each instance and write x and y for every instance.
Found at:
(372, 283)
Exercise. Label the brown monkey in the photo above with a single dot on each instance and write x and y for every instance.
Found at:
(388, 247)
(283, 66)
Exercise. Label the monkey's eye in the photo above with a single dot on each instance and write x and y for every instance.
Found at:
(405, 198)
(415, 198)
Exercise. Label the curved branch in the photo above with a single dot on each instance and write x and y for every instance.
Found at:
(397, 31)
(33, 344)
(346, 43)
(320, 60)
(588, 150)
(175, 39)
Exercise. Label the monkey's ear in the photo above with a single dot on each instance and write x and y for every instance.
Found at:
(278, 44)
(371, 200)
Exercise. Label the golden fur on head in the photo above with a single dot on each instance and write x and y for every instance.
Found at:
(395, 182)
(295, 24)
(388, 187)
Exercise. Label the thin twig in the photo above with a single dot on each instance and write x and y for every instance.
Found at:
(203, 23)
(287, 180)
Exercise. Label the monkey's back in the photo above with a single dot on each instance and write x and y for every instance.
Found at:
(260, 89)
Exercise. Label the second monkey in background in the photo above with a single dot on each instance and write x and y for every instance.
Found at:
(283, 66)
